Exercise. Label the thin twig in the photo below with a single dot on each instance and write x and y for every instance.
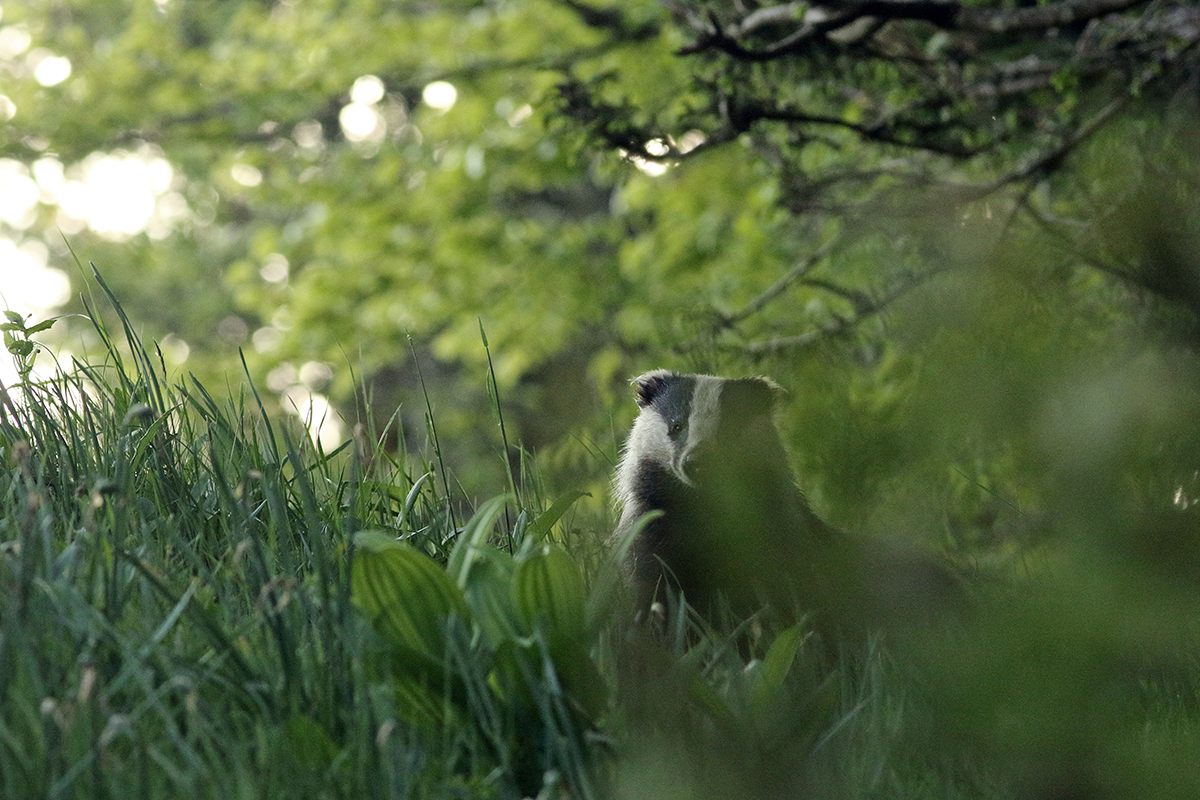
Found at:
(843, 324)
(780, 286)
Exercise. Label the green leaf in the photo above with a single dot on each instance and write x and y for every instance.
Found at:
(418, 703)
(410, 500)
(407, 596)
(150, 434)
(548, 591)
(44, 325)
(309, 743)
(608, 585)
(540, 527)
(473, 539)
(776, 665)
(708, 700)
(549, 597)
(488, 595)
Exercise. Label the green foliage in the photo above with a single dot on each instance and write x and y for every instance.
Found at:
(990, 346)
(18, 341)
(407, 597)
(196, 600)
(792, 204)
(510, 644)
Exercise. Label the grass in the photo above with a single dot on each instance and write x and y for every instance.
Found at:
(197, 601)
(178, 619)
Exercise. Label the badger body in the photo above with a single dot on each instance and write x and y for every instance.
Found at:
(734, 530)
(734, 527)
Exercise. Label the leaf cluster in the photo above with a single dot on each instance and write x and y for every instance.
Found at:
(18, 341)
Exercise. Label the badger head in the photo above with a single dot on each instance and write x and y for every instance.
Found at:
(697, 427)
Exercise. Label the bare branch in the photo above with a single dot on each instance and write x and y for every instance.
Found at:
(1038, 18)
(1049, 158)
(856, 297)
(1130, 275)
(1070, 246)
(612, 20)
(817, 23)
(882, 131)
(771, 15)
(843, 325)
(779, 287)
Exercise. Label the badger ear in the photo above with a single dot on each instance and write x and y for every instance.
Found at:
(646, 387)
(773, 389)
(754, 395)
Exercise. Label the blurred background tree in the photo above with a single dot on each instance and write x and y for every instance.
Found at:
(924, 217)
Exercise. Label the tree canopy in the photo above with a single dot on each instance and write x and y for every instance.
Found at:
(895, 208)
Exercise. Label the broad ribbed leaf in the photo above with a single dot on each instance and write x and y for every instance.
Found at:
(487, 592)
(419, 704)
(472, 542)
(407, 596)
(548, 588)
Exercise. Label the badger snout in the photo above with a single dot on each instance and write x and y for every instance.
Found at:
(680, 467)
(691, 463)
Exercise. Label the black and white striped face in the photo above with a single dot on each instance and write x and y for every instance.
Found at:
(685, 416)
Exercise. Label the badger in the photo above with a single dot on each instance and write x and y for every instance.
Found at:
(734, 526)
(735, 532)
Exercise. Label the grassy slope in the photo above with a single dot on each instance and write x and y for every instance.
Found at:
(182, 617)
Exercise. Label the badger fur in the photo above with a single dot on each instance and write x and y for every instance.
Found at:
(734, 528)
(705, 452)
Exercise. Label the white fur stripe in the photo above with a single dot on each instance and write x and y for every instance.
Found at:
(648, 441)
(706, 413)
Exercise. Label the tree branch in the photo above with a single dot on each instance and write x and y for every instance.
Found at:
(882, 131)
(1130, 275)
(779, 287)
(611, 20)
(818, 23)
(1047, 159)
(842, 325)
(1038, 18)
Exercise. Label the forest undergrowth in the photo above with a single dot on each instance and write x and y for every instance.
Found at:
(197, 600)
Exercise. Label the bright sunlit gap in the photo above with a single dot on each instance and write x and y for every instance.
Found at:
(116, 195)
(440, 95)
(658, 148)
(49, 69)
(27, 285)
(360, 119)
(246, 175)
(14, 40)
(367, 90)
(361, 122)
(125, 193)
(30, 288)
(275, 268)
(300, 394)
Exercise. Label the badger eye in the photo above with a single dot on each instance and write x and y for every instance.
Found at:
(676, 427)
